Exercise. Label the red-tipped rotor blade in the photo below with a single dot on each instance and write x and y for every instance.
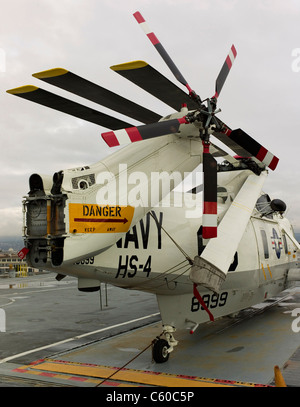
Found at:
(132, 134)
(225, 71)
(210, 213)
(254, 148)
(161, 50)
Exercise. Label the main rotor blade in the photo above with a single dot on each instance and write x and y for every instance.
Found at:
(152, 81)
(133, 134)
(210, 213)
(245, 146)
(256, 149)
(223, 136)
(48, 99)
(225, 71)
(161, 50)
(79, 86)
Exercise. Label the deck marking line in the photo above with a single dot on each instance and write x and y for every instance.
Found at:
(127, 375)
(7, 359)
(140, 377)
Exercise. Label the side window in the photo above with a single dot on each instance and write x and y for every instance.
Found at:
(265, 243)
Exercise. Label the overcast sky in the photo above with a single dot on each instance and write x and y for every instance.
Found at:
(261, 94)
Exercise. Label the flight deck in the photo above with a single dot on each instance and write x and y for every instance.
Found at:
(90, 340)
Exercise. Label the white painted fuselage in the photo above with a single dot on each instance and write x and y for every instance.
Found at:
(151, 257)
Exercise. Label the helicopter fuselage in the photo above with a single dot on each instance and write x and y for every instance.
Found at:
(148, 247)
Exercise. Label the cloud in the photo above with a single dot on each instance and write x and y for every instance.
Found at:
(11, 221)
(261, 95)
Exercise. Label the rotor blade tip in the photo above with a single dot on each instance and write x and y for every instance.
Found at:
(50, 73)
(129, 65)
(234, 50)
(22, 89)
(139, 18)
(274, 163)
(110, 139)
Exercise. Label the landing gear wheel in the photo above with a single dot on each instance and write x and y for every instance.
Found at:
(160, 351)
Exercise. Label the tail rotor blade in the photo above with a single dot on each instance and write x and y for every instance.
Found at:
(225, 71)
(210, 194)
(161, 50)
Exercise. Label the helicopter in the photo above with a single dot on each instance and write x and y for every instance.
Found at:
(132, 220)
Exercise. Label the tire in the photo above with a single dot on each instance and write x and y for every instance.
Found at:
(159, 352)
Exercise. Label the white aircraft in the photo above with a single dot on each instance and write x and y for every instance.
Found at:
(128, 221)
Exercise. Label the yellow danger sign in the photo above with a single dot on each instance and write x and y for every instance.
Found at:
(91, 218)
